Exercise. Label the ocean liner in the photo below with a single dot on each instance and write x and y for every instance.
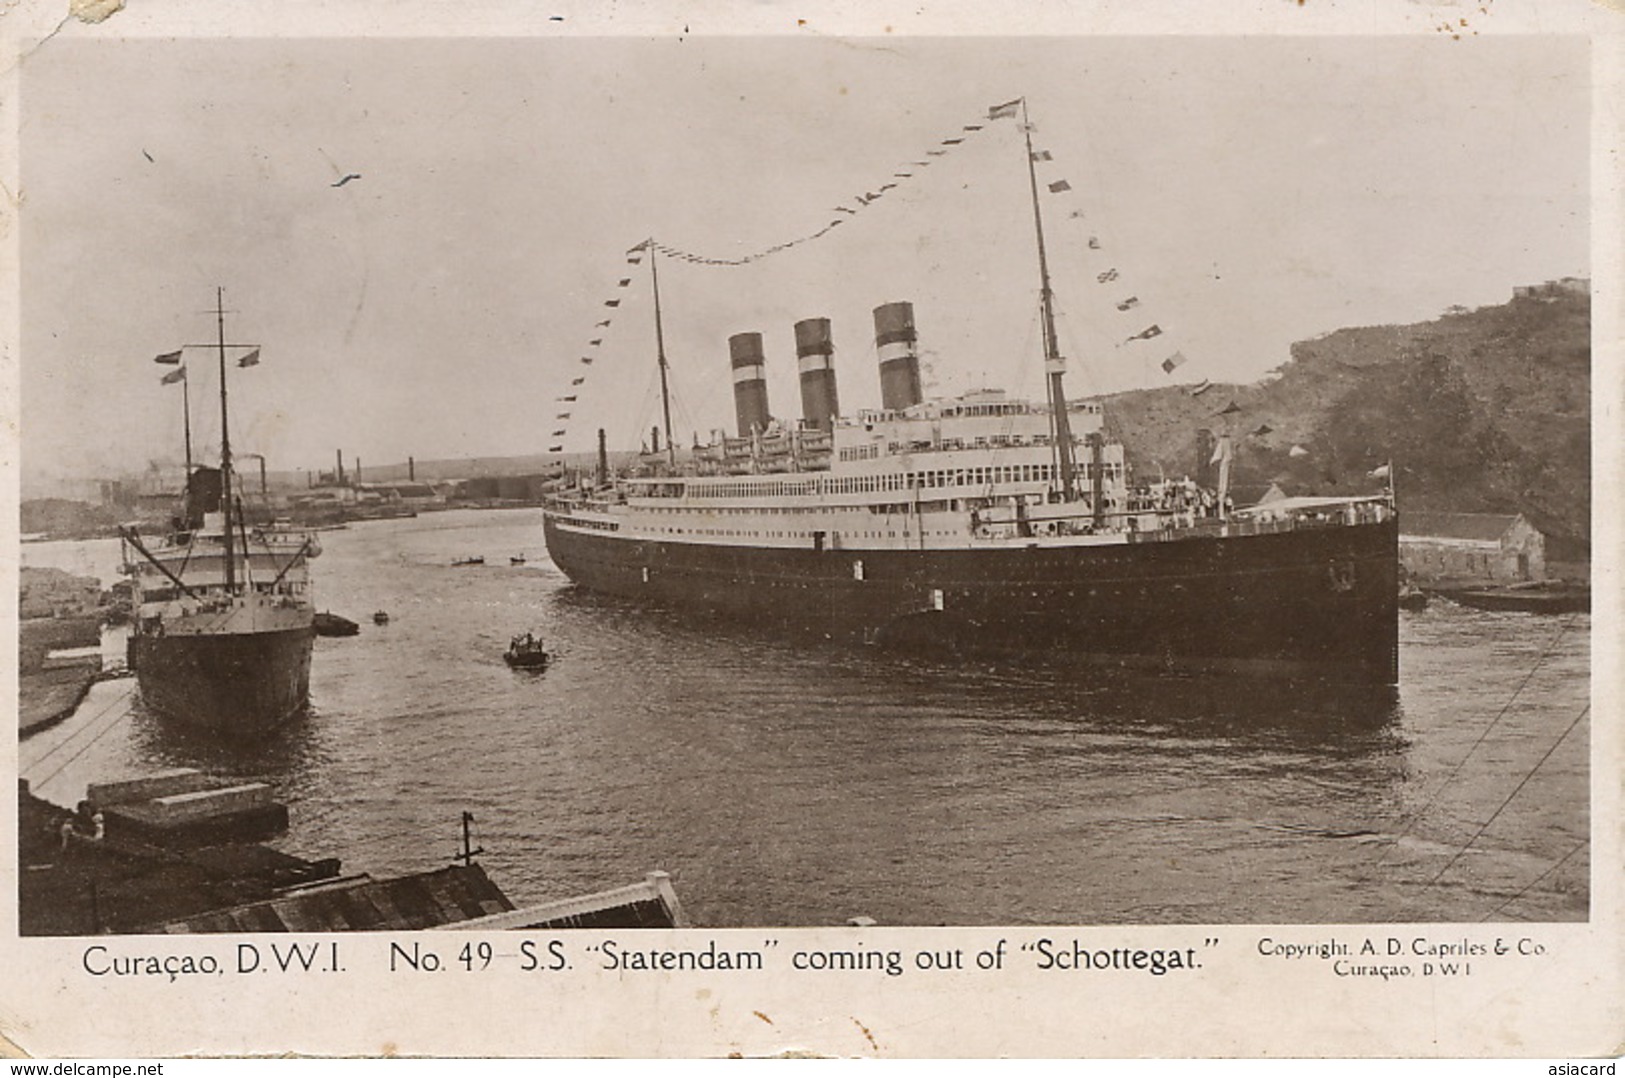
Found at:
(224, 622)
(983, 524)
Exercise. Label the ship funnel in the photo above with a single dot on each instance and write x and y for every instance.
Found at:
(815, 356)
(750, 382)
(203, 490)
(896, 343)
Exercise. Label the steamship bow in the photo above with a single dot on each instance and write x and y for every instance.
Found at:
(224, 621)
(982, 524)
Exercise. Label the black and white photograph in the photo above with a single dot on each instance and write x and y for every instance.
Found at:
(601, 487)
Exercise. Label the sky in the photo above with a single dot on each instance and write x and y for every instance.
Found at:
(1248, 192)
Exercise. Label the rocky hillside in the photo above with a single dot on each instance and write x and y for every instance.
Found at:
(1480, 411)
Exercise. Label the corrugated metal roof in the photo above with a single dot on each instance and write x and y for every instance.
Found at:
(428, 899)
(650, 904)
(1484, 527)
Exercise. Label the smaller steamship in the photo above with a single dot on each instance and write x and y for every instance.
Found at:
(224, 622)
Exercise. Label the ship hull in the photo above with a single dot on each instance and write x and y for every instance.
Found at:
(226, 684)
(1312, 602)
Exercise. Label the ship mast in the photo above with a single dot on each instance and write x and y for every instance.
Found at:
(660, 352)
(225, 445)
(186, 425)
(1054, 363)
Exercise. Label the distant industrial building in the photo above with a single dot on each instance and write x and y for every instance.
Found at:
(414, 495)
(1552, 290)
(404, 494)
(1471, 546)
(509, 488)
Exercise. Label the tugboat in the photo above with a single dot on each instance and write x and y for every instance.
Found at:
(478, 559)
(330, 624)
(526, 652)
(1539, 597)
(1412, 598)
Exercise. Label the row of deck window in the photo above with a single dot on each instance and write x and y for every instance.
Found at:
(169, 593)
(871, 484)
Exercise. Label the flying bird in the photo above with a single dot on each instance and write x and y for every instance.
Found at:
(348, 177)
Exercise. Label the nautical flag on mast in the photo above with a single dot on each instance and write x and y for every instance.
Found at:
(1380, 472)
(1297, 451)
(1042, 155)
(1147, 333)
(1129, 304)
(555, 449)
(252, 359)
(1203, 388)
(1058, 186)
(1004, 111)
(170, 358)
(177, 375)
(578, 381)
(1173, 362)
(1107, 277)
(1221, 452)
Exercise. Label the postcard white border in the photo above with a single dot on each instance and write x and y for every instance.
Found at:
(1563, 1002)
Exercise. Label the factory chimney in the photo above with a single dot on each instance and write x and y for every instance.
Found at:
(896, 343)
(411, 470)
(750, 382)
(815, 357)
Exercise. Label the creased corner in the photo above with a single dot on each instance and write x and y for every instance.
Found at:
(94, 11)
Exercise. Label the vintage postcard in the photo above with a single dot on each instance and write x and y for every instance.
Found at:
(729, 532)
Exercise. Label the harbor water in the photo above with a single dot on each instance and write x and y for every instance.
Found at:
(796, 782)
